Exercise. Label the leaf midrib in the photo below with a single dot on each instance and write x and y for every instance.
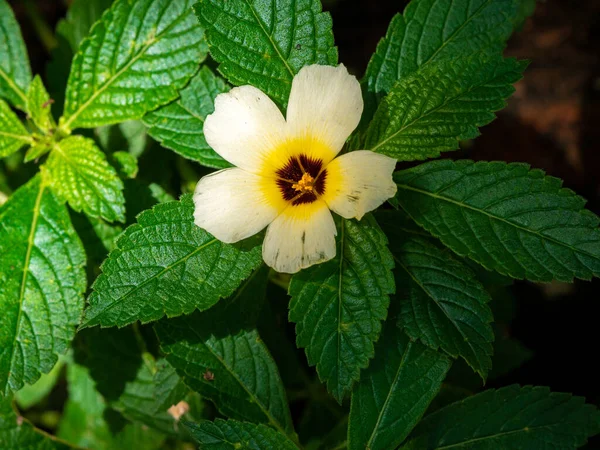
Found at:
(272, 420)
(30, 243)
(145, 282)
(14, 87)
(19, 137)
(388, 397)
(526, 429)
(110, 81)
(500, 219)
(451, 320)
(339, 295)
(436, 109)
(271, 41)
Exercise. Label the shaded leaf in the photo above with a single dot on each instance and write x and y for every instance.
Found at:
(430, 31)
(442, 304)
(81, 15)
(394, 391)
(220, 355)
(430, 111)
(506, 217)
(179, 125)
(77, 171)
(233, 435)
(41, 284)
(528, 418)
(83, 422)
(265, 43)
(166, 257)
(338, 306)
(126, 163)
(158, 49)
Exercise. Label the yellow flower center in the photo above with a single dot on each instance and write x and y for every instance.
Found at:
(305, 184)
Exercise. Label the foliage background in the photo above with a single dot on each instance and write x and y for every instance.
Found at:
(551, 123)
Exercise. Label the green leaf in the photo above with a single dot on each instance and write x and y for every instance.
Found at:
(179, 125)
(15, 73)
(144, 399)
(38, 105)
(83, 422)
(528, 418)
(18, 433)
(234, 435)
(33, 394)
(81, 15)
(166, 257)
(127, 164)
(506, 217)
(437, 30)
(13, 134)
(433, 109)
(136, 59)
(41, 284)
(338, 306)
(219, 355)
(78, 172)
(265, 43)
(394, 391)
(442, 303)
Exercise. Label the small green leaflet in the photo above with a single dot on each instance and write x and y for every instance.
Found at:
(39, 105)
(430, 111)
(41, 284)
(528, 418)
(219, 355)
(15, 73)
(136, 58)
(234, 435)
(338, 306)
(166, 257)
(13, 134)
(126, 163)
(18, 433)
(506, 217)
(265, 43)
(179, 125)
(442, 304)
(78, 172)
(437, 30)
(394, 391)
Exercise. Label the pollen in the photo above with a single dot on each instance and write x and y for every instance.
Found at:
(305, 184)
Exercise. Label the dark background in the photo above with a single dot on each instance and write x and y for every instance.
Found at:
(552, 122)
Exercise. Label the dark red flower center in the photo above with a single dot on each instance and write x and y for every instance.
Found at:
(302, 179)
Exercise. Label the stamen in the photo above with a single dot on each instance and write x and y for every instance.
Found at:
(305, 184)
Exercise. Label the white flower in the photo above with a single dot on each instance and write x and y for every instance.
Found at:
(287, 176)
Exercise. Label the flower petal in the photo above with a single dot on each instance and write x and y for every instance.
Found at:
(358, 182)
(245, 127)
(231, 205)
(301, 236)
(325, 103)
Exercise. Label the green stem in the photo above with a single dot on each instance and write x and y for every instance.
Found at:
(42, 29)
